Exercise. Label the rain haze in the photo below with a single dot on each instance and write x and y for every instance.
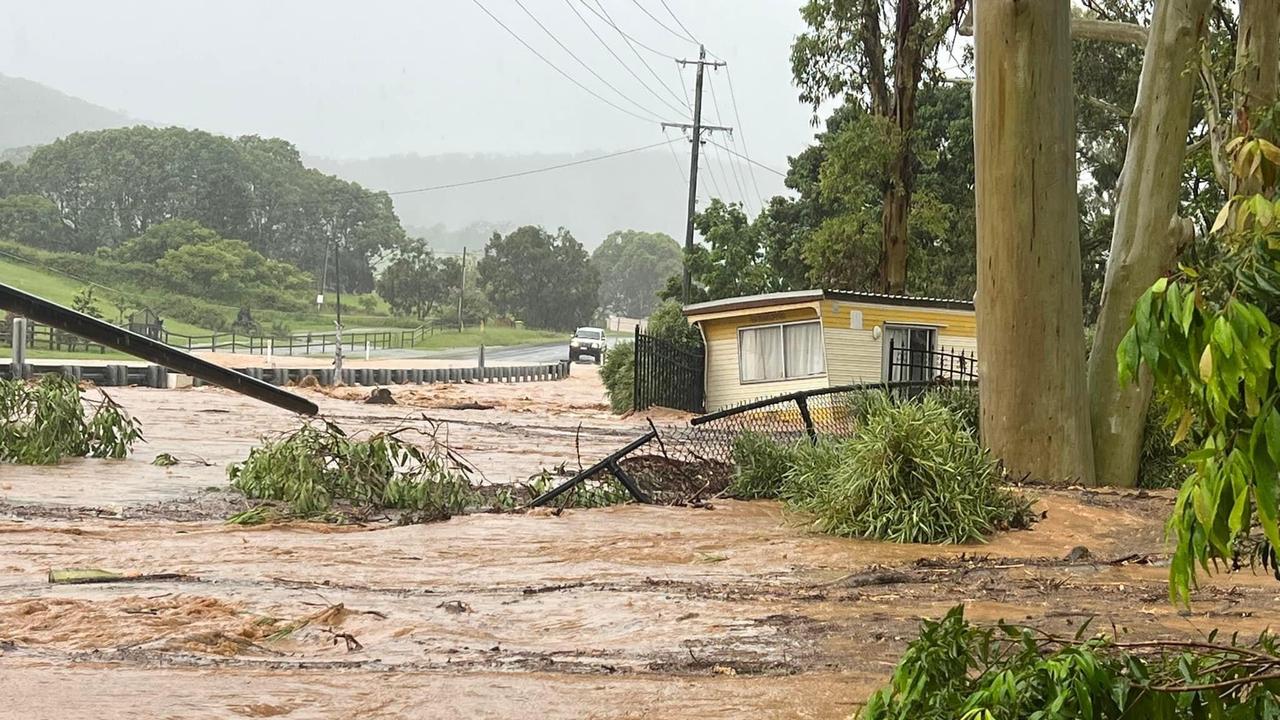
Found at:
(400, 95)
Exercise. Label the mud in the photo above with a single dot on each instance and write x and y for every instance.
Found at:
(727, 611)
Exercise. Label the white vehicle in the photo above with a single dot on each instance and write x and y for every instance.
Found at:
(588, 342)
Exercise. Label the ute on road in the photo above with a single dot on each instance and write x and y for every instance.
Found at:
(587, 342)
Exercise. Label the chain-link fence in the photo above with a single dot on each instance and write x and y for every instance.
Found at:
(692, 463)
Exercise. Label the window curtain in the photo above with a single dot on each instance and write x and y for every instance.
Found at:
(804, 349)
(760, 354)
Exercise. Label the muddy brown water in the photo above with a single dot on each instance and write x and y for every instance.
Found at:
(627, 612)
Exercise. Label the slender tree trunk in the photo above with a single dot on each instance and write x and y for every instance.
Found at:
(1148, 231)
(1035, 414)
(893, 254)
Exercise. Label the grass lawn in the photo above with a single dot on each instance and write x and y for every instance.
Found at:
(45, 354)
(490, 337)
(60, 289)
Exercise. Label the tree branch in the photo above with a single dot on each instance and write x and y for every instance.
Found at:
(1088, 29)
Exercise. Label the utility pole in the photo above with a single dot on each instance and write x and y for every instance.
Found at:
(695, 141)
(462, 286)
(337, 323)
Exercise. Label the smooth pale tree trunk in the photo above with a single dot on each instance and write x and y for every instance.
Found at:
(1257, 56)
(1148, 231)
(1035, 413)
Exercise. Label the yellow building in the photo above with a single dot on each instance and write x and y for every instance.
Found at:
(758, 346)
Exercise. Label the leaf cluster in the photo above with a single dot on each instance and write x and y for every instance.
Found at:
(319, 465)
(1209, 338)
(955, 669)
(41, 423)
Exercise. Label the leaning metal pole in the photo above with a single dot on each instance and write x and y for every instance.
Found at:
(41, 310)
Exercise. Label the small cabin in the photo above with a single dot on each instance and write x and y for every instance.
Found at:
(759, 346)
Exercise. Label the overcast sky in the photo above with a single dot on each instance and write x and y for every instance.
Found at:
(375, 77)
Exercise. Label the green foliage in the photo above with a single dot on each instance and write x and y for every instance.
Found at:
(956, 670)
(961, 401)
(161, 238)
(318, 465)
(1160, 464)
(543, 279)
(84, 302)
(112, 185)
(32, 220)
(413, 283)
(230, 271)
(911, 472)
(45, 422)
(618, 374)
(669, 323)
(760, 466)
(1213, 348)
(633, 266)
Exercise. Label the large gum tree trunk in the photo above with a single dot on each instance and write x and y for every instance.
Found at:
(1257, 55)
(1035, 415)
(1148, 231)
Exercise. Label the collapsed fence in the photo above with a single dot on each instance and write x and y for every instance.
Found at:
(688, 464)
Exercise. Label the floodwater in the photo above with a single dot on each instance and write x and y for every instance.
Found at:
(729, 611)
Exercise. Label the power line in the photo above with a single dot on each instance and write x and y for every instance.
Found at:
(684, 176)
(627, 67)
(579, 60)
(715, 102)
(738, 119)
(744, 157)
(663, 25)
(553, 66)
(630, 46)
(714, 185)
(534, 171)
(677, 19)
(630, 39)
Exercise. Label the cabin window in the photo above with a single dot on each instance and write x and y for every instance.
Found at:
(909, 353)
(780, 352)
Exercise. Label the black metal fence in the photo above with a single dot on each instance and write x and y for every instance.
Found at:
(667, 375)
(690, 463)
(922, 365)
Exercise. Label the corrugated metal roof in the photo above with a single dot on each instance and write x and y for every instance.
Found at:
(779, 298)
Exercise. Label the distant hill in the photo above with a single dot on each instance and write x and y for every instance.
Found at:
(641, 191)
(34, 114)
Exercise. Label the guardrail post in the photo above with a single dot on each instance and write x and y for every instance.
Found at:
(18, 359)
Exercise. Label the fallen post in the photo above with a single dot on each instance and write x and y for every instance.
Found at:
(104, 333)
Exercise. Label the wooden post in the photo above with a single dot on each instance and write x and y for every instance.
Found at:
(1029, 311)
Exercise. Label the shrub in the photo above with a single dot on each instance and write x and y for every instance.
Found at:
(914, 473)
(760, 466)
(45, 422)
(1160, 462)
(958, 670)
(668, 322)
(962, 401)
(317, 465)
(618, 373)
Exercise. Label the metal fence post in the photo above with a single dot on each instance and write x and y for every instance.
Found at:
(803, 402)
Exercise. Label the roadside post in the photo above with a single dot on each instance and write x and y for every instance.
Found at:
(18, 359)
